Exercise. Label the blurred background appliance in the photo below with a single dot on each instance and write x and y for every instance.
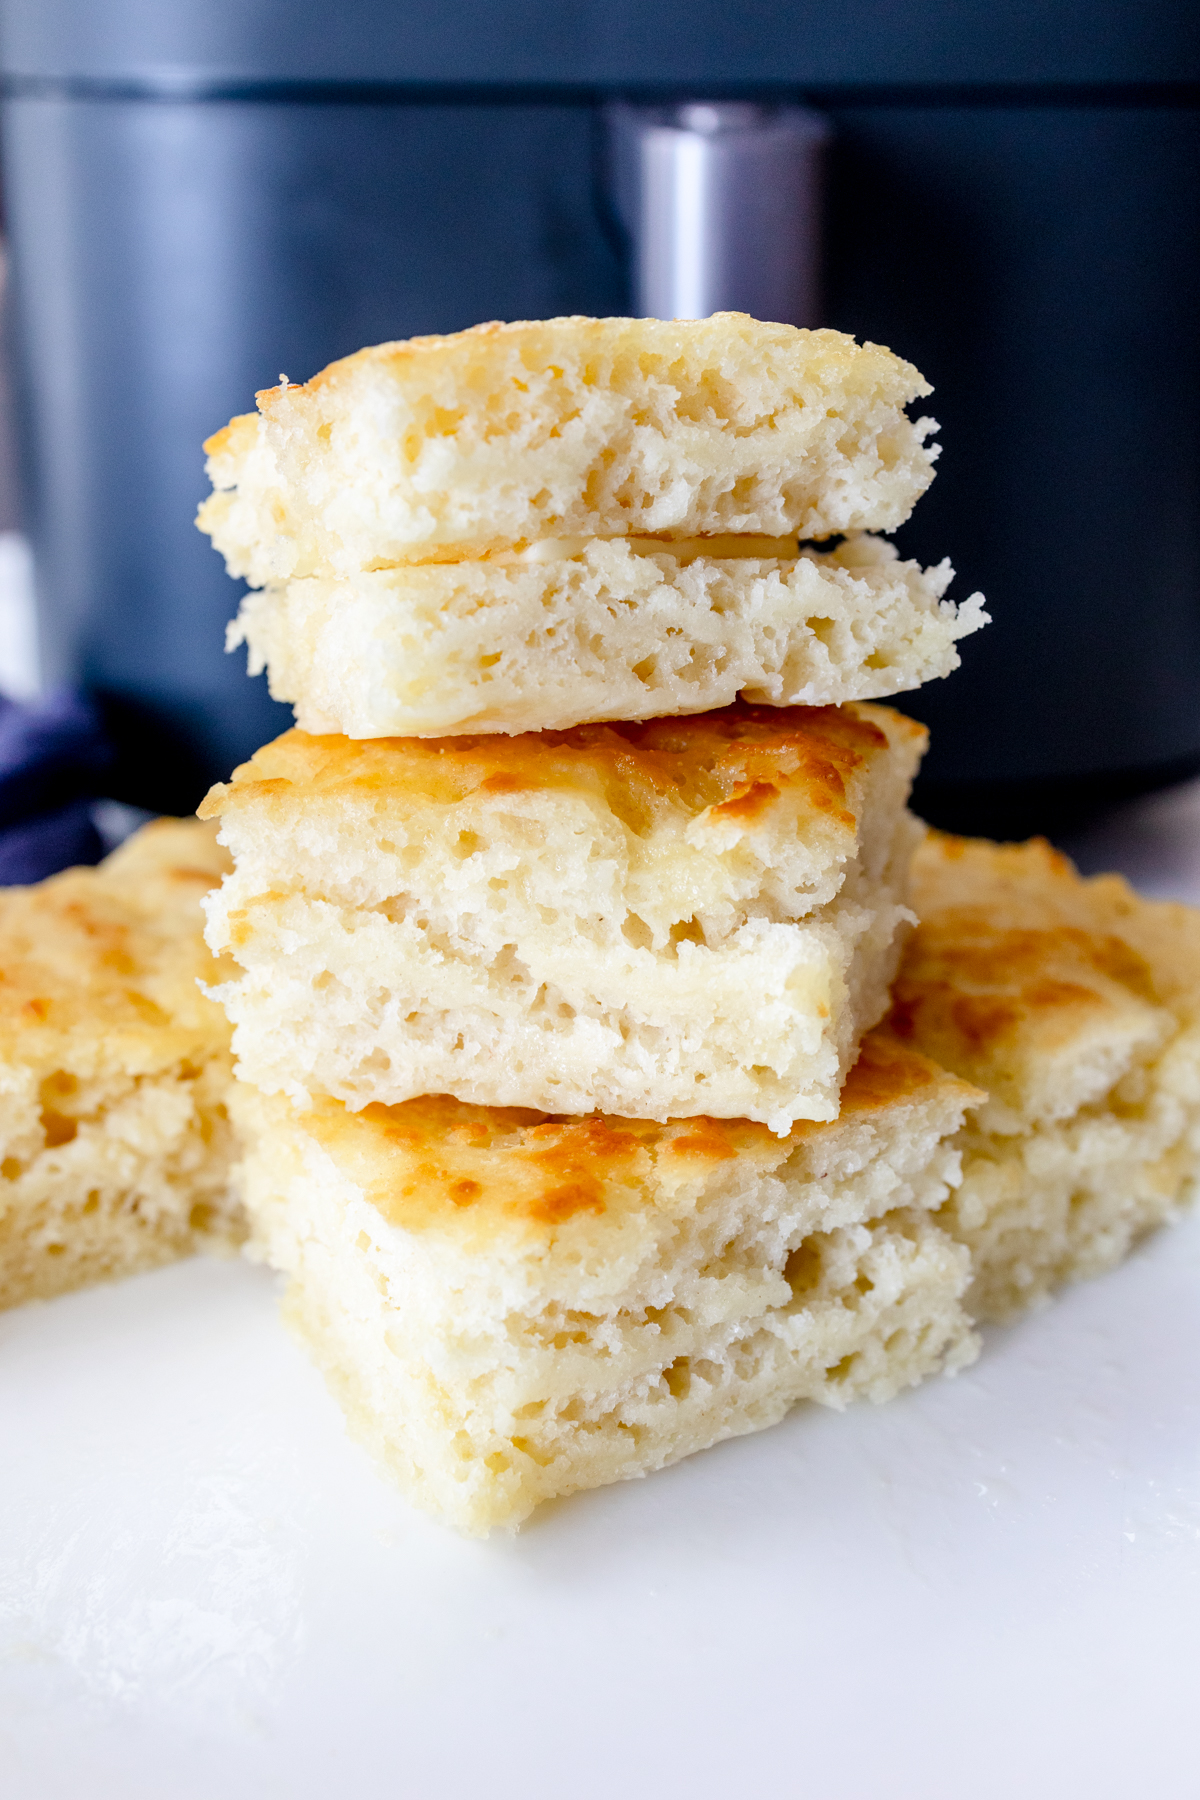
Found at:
(720, 204)
(202, 194)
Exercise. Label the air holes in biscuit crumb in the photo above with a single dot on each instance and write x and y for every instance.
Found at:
(56, 1249)
(444, 421)
(200, 1217)
(802, 1270)
(636, 932)
(877, 660)
(533, 1409)
(11, 1168)
(646, 670)
(468, 844)
(58, 1129)
(687, 931)
(678, 1378)
(526, 1447)
(92, 1203)
(821, 628)
(841, 1371)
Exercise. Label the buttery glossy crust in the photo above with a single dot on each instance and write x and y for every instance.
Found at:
(98, 967)
(437, 1163)
(1018, 959)
(735, 765)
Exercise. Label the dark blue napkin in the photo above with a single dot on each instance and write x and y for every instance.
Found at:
(53, 760)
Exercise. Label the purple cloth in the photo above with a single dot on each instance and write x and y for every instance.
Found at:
(43, 846)
(53, 759)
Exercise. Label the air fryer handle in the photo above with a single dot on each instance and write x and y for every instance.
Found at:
(722, 205)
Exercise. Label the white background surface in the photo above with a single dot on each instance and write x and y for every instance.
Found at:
(988, 1589)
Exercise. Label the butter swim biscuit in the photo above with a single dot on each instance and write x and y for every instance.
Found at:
(1076, 1005)
(115, 1145)
(652, 919)
(506, 434)
(511, 1306)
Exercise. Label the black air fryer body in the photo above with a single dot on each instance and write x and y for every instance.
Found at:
(204, 195)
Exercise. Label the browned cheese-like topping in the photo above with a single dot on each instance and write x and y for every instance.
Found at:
(739, 762)
(431, 1158)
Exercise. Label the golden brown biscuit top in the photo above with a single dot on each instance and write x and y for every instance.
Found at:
(430, 1161)
(489, 371)
(98, 967)
(738, 762)
(1019, 962)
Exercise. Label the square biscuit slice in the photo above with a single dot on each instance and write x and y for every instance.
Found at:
(115, 1144)
(505, 434)
(578, 630)
(511, 1307)
(647, 919)
(1076, 1005)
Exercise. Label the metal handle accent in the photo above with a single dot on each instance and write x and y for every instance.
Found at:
(722, 203)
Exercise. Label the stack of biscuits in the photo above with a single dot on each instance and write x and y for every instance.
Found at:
(567, 918)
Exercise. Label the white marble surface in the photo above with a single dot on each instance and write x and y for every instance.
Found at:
(990, 1588)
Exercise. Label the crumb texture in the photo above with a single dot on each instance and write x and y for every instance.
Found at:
(594, 427)
(115, 1144)
(1076, 1004)
(605, 633)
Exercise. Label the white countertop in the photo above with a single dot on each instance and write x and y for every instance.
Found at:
(989, 1588)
